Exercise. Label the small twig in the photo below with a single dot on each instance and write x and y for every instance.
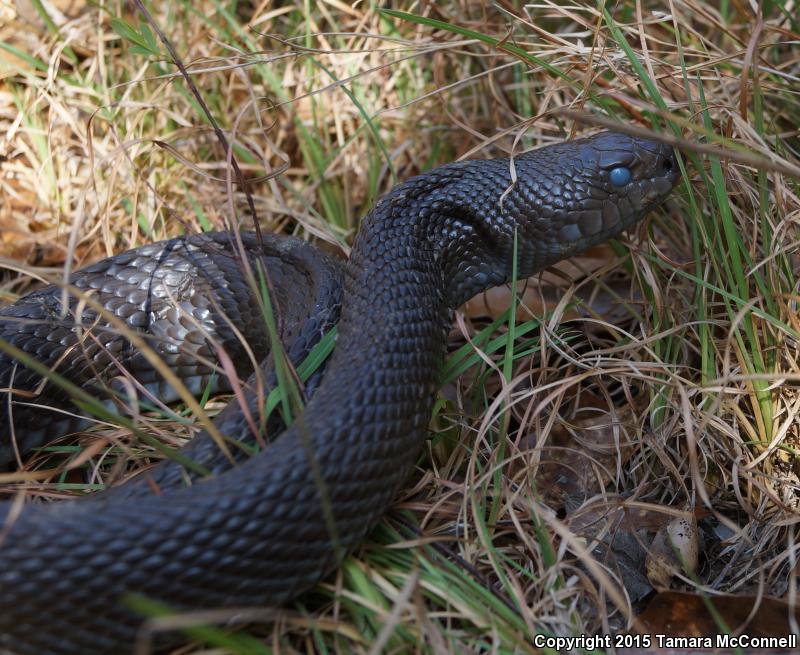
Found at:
(198, 96)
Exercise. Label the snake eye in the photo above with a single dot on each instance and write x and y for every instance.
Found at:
(620, 176)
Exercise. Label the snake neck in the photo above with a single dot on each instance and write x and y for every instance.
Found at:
(452, 218)
(401, 283)
(427, 247)
(393, 327)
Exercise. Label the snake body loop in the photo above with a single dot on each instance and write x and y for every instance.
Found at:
(264, 530)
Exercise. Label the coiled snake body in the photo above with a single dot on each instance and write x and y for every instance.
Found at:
(262, 531)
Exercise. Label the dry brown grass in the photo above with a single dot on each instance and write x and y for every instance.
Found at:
(657, 386)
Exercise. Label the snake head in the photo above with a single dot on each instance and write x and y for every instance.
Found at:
(472, 216)
(580, 193)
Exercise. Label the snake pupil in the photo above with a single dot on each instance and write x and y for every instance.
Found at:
(620, 176)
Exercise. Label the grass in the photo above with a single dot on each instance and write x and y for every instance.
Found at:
(658, 376)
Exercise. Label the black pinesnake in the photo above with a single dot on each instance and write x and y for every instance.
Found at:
(262, 531)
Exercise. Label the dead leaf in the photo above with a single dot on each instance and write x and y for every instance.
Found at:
(581, 456)
(675, 549)
(542, 293)
(681, 614)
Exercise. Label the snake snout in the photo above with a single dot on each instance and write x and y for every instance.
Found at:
(659, 160)
(658, 173)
